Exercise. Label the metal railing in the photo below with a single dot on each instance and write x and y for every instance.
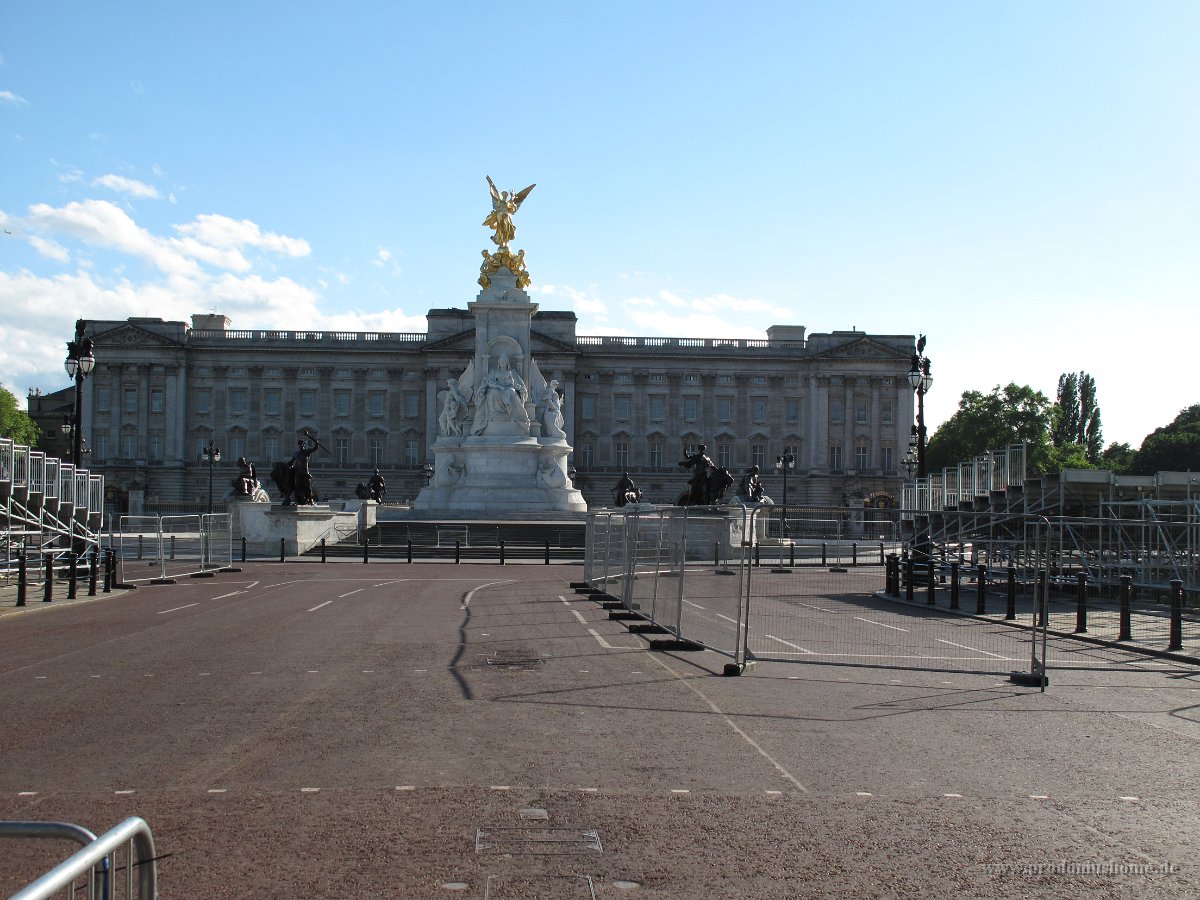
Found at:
(96, 863)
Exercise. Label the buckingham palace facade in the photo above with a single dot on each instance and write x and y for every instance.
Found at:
(839, 403)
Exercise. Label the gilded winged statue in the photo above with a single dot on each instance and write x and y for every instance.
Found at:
(504, 206)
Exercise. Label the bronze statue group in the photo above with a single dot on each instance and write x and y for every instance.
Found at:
(706, 487)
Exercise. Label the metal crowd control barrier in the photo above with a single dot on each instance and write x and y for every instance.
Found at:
(96, 862)
(682, 569)
(166, 547)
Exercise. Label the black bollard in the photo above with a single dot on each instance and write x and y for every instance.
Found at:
(908, 578)
(502, 553)
(140, 546)
(172, 546)
(929, 585)
(792, 556)
(547, 553)
(954, 585)
(824, 554)
(981, 584)
(322, 549)
(22, 579)
(1010, 610)
(1126, 633)
(108, 567)
(854, 554)
(366, 548)
(881, 553)
(243, 549)
(716, 554)
(72, 575)
(93, 569)
(48, 595)
(1081, 603)
(282, 549)
(457, 552)
(410, 550)
(1176, 615)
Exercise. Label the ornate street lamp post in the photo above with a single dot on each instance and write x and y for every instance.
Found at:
(211, 454)
(79, 364)
(921, 380)
(785, 464)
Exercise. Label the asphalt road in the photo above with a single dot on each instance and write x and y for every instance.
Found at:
(340, 730)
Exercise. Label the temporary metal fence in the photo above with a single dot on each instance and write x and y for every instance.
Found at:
(682, 569)
(166, 547)
(121, 862)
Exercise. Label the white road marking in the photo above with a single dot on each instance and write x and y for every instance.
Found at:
(601, 641)
(578, 615)
(881, 624)
(727, 619)
(348, 593)
(471, 593)
(789, 644)
(690, 603)
(122, 793)
(319, 605)
(733, 726)
(389, 583)
(976, 649)
(309, 790)
(163, 612)
(817, 608)
(230, 594)
(863, 794)
(216, 790)
(26, 793)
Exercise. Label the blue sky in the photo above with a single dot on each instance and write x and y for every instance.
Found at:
(1019, 181)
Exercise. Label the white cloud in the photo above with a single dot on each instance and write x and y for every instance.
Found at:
(580, 301)
(12, 99)
(131, 186)
(50, 249)
(222, 231)
(383, 256)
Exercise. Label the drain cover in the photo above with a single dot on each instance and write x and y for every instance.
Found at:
(515, 659)
(546, 841)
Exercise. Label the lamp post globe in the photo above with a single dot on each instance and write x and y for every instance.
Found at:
(211, 454)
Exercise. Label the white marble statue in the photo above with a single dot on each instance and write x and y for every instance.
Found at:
(454, 406)
(501, 396)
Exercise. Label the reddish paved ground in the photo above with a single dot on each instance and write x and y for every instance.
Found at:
(340, 730)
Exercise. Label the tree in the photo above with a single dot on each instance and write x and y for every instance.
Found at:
(1116, 458)
(1011, 415)
(15, 422)
(1172, 448)
(1077, 417)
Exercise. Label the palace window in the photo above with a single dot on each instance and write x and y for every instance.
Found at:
(691, 406)
(271, 403)
(375, 403)
(657, 407)
(860, 412)
(587, 408)
(237, 402)
(758, 408)
(621, 408)
(376, 450)
(156, 400)
(130, 402)
(887, 461)
(885, 412)
(656, 453)
(861, 458)
(412, 452)
(341, 450)
(587, 454)
(724, 454)
(835, 458)
(156, 446)
(758, 455)
(237, 447)
(308, 403)
(621, 453)
(835, 410)
(724, 409)
(203, 401)
(412, 405)
(792, 410)
(341, 404)
(271, 449)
